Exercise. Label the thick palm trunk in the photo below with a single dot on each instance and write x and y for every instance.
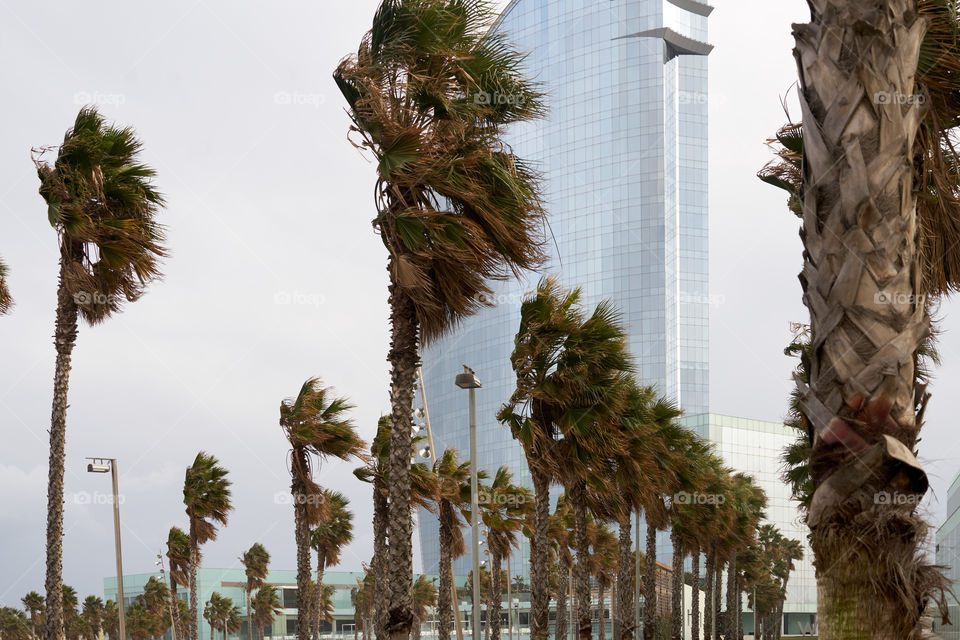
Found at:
(493, 603)
(379, 568)
(676, 600)
(626, 607)
(540, 557)
(650, 585)
(445, 592)
(64, 339)
(563, 586)
(582, 566)
(731, 619)
(403, 367)
(708, 620)
(302, 536)
(321, 565)
(862, 284)
(695, 594)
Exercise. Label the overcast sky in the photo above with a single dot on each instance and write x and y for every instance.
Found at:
(275, 274)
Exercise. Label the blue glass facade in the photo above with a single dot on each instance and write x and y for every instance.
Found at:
(624, 156)
(948, 557)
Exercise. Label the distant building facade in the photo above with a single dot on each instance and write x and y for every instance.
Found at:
(948, 557)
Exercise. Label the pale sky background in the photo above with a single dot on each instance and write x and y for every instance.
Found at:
(276, 275)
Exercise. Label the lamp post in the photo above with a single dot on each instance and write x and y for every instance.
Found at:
(173, 603)
(469, 380)
(103, 465)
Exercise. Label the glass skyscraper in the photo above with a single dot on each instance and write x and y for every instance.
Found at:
(948, 556)
(623, 152)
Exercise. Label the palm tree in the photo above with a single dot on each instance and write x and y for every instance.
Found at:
(111, 620)
(455, 207)
(220, 613)
(603, 565)
(102, 203)
(206, 494)
(35, 606)
(325, 607)
(561, 524)
(333, 532)
(266, 607)
(315, 423)
(178, 553)
(453, 507)
(93, 614)
(6, 300)
(13, 624)
(141, 623)
(864, 403)
(424, 596)
(255, 562)
(503, 508)
(70, 601)
(422, 492)
(547, 319)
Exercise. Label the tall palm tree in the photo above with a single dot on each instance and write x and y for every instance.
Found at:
(178, 553)
(422, 492)
(93, 614)
(35, 606)
(863, 402)
(206, 494)
(455, 207)
(267, 605)
(549, 318)
(315, 423)
(332, 533)
(424, 597)
(14, 624)
(453, 507)
(6, 300)
(255, 561)
(221, 614)
(503, 508)
(102, 203)
(603, 566)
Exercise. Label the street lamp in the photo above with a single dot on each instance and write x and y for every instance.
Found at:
(103, 465)
(469, 380)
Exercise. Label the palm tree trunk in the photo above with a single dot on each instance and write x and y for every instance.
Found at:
(708, 612)
(249, 619)
(64, 339)
(560, 626)
(650, 585)
(695, 594)
(861, 112)
(403, 359)
(540, 556)
(445, 593)
(194, 561)
(321, 562)
(496, 589)
(582, 567)
(602, 631)
(626, 607)
(676, 601)
(717, 593)
(175, 614)
(302, 535)
(379, 562)
(731, 619)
